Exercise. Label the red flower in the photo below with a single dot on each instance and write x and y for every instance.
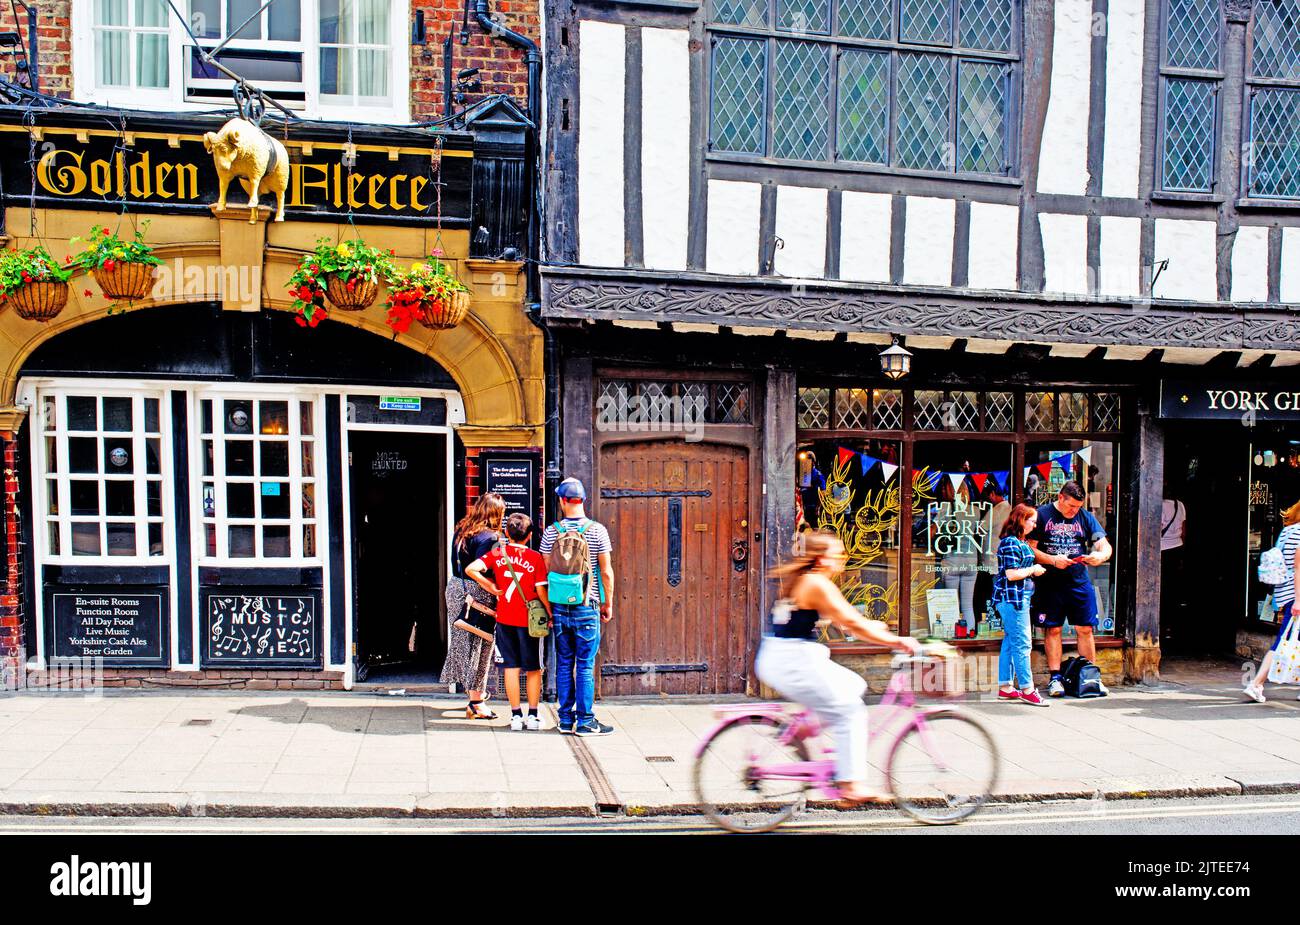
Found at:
(314, 269)
(27, 277)
(301, 322)
(110, 265)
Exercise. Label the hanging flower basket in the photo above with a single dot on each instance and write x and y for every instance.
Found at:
(124, 282)
(39, 301)
(33, 283)
(428, 293)
(351, 295)
(123, 268)
(348, 273)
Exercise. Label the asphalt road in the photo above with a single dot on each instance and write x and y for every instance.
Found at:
(1247, 815)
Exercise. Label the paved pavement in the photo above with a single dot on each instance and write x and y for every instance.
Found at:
(338, 754)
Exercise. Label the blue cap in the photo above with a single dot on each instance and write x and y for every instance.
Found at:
(571, 489)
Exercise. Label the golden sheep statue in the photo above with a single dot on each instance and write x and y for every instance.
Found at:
(261, 163)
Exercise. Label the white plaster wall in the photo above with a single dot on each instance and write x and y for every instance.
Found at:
(927, 240)
(1063, 165)
(994, 246)
(733, 227)
(1189, 246)
(1065, 252)
(801, 226)
(1121, 246)
(1122, 147)
(665, 146)
(1250, 264)
(865, 224)
(601, 81)
(1289, 290)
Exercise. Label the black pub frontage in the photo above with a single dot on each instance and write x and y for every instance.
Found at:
(206, 492)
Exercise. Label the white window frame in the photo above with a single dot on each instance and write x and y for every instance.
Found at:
(221, 481)
(61, 479)
(315, 106)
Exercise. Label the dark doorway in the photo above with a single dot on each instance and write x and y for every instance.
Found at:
(398, 484)
(1203, 581)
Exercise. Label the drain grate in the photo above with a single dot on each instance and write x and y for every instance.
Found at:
(198, 722)
(659, 759)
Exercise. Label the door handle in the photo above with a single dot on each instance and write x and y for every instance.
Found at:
(739, 555)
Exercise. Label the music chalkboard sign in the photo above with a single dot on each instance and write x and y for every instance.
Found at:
(250, 629)
(515, 479)
(124, 628)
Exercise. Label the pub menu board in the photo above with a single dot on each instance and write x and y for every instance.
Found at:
(124, 628)
(515, 479)
(251, 629)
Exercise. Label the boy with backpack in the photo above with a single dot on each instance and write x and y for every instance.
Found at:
(519, 577)
(580, 583)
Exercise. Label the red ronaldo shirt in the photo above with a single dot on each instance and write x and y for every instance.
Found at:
(512, 609)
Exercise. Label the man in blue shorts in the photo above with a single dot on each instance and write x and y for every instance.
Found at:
(1068, 540)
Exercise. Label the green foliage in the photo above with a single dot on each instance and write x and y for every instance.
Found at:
(18, 268)
(352, 261)
(105, 249)
(422, 284)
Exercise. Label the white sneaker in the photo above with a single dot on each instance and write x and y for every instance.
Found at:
(533, 723)
(516, 723)
(1105, 691)
(1254, 693)
(1055, 688)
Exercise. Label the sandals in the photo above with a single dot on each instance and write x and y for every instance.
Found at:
(872, 799)
(475, 710)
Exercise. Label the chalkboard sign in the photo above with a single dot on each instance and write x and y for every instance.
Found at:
(250, 629)
(513, 478)
(125, 628)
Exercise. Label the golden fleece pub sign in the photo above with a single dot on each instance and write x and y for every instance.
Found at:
(372, 179)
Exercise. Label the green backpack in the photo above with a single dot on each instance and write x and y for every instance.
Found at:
(568, 565)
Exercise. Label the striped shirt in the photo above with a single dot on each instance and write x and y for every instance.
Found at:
(1287, 541)
(597, 538)
(1013, 553)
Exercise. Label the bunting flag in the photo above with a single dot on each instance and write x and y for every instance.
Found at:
(1065, 460)
(845, 455)
(867, 462)
(1085, 454)
(957, 478)
(980, 479)
(1045, 469)
(888, 470)
(1024, 477)
(1003, 479)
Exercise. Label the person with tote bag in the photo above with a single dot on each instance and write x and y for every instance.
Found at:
(1281, 664)
(471, 610)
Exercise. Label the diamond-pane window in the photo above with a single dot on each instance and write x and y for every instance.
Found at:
(866, 19)
(612, 406)
(887, 409)
(1192, 34)
(963, 411)
(801, 128)
(922, 139)
(815, 408)
(741, 12)
(1073, 410)
(999, 411)
(732, 404)
(853, 409)
(1040, 411)
(985, 24)
(1105, 412)
(863, 121)
(803, 15)
(739, 69)
(1275, 142)
(928, 414)
(695, 401)
(1189, 134)
(928, 21)
(981, 117)
(1277, 40)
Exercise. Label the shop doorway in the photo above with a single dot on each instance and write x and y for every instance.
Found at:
(1203, 580)
(679, 519)
(398, 491)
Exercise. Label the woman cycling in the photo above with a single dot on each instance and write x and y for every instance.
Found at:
(791, 661)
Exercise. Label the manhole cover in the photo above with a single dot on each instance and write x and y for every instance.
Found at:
(198, 722)
(660, 759)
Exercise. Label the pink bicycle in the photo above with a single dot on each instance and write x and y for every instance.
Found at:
(754, 769)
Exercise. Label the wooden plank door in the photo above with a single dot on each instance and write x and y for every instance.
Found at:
(679, 518)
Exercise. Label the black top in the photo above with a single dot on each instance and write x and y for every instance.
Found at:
(473, 548)
(789, 623)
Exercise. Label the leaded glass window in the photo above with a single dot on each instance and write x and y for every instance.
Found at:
(920, 84)
(1272, 155)
(1189, 95)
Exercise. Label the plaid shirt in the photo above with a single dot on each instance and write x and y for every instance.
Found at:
(1013, 553)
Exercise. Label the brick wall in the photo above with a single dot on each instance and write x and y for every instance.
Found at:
(501, 65)
(11, 612)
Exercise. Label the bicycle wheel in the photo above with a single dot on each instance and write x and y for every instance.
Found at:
(942, 767)
(729, 794)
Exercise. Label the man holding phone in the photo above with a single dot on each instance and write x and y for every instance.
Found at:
(1067, 540)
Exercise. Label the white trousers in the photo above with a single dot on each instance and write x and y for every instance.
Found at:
(802, 671)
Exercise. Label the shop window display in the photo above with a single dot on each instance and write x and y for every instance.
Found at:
(1274, 486)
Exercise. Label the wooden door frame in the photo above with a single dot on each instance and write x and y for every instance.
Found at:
(742, 436)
